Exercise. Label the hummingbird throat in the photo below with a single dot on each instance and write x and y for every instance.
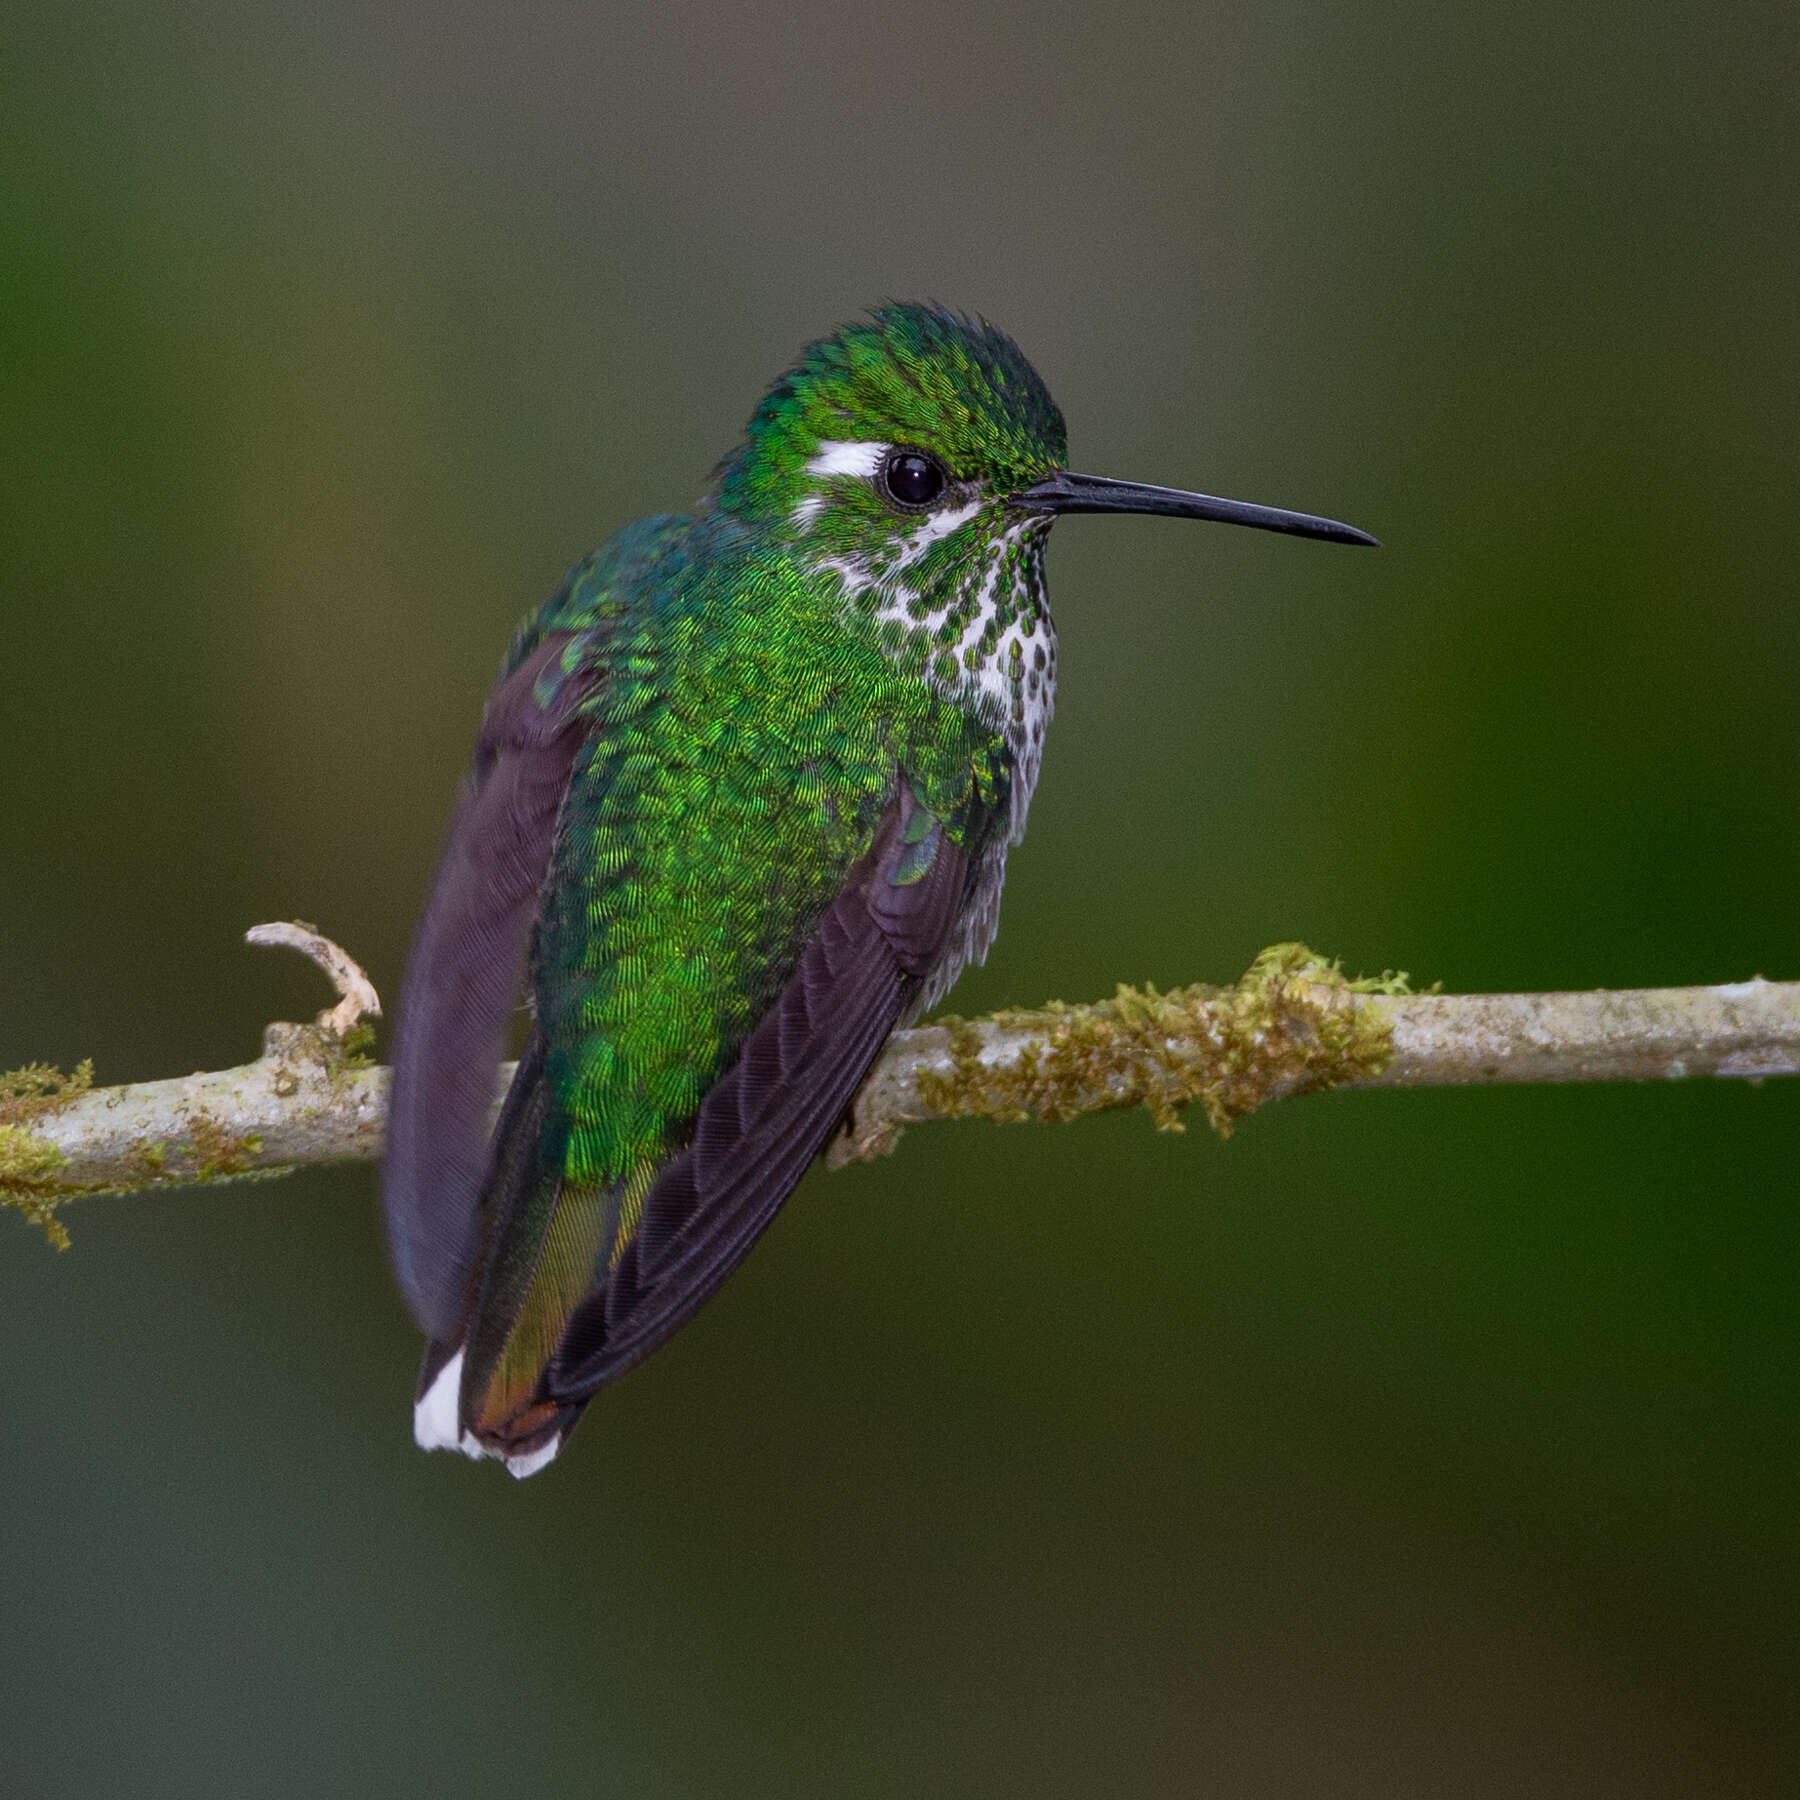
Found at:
(954, 596)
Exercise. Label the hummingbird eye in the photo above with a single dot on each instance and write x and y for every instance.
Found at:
(912, 478)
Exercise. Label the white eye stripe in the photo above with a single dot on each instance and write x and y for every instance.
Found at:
(842, 456)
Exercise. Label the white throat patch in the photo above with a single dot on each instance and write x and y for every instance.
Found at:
(985, 640)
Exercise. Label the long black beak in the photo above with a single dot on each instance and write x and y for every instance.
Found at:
(1064, 492)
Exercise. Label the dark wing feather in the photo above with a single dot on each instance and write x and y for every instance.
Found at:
(463, 980)
(769, 1115)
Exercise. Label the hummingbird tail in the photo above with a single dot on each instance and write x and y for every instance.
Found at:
(437, 1420)
(480, 1390)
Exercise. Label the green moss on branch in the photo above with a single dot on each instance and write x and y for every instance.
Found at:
(28, 1164)
(1291, 1025)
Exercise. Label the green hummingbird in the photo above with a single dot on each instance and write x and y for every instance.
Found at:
(739, 807)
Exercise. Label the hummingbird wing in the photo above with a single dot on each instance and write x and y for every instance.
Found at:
(764, 1120)
(467, 964)
(583, 1282)
(464, 974)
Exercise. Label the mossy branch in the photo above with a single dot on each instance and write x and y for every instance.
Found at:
(1293, 1025)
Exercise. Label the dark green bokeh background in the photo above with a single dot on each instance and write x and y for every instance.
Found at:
(1409, 1444)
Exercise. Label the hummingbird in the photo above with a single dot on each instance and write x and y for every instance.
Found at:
(739, 808)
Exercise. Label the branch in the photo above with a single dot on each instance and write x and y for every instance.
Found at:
(1293, 1025)
(357, 998)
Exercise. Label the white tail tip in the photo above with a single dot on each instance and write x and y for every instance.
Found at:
(437, 1425)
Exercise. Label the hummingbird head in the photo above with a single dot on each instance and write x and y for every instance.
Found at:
(890, 457)
(913, 412)
(918, 457)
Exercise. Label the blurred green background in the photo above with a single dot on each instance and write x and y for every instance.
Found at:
(1409, 1444)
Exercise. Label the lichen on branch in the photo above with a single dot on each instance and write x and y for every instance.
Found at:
(1285, 1028)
